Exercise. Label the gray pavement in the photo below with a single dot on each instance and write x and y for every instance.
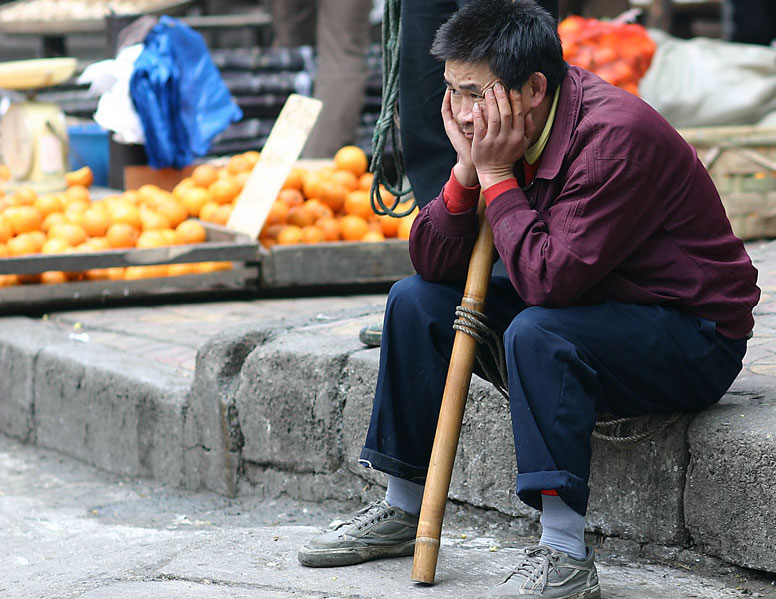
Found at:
(72, 531)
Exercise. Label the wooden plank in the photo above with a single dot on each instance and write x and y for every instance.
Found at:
(27, 297)
(284, 144)
(337, 263)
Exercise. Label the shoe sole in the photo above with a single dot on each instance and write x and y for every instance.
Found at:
(329, 558)
(594, 593)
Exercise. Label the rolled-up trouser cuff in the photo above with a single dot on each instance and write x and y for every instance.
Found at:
(378, 461)
(571, 489)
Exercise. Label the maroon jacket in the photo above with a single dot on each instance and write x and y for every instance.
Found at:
(621, 209)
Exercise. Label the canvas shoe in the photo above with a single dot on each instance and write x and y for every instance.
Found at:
(377, 531)
(550, 574)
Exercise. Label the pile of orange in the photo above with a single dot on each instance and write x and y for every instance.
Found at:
(332, 204)
(72, 222)
(619, 53)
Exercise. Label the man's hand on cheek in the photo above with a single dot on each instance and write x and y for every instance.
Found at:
(500, 135)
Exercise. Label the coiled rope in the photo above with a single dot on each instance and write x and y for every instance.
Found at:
(387, 123)
(475, 323)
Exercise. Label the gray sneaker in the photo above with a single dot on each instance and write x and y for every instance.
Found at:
(550, 574)
(379, 530)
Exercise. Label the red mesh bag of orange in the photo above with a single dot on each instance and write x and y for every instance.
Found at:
(619, 53)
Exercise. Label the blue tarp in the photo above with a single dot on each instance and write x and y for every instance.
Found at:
(179, 95)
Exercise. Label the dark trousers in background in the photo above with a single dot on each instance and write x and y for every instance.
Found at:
(564, 365)
(428, 155)
(749, 21)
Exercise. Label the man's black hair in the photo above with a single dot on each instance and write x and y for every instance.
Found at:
(516, 38)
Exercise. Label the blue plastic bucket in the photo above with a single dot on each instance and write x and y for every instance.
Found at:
(88, 146)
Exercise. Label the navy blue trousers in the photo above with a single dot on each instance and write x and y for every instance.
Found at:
(564, 366)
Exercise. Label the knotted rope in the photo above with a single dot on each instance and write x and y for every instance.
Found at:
(475, 323)
(387, 123)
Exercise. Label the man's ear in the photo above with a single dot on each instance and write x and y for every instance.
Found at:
(537, 84)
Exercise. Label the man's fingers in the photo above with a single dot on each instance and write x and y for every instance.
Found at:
(504, 104)
(494, 117)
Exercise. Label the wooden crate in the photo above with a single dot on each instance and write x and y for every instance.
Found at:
(742, 163)
(335, 263)
(222, 245)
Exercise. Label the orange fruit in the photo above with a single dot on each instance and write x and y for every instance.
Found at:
(190, 231)
(98, 244)
(122, 235)
(278, 213)
(373, 236)
(54, 245)
(345, 178)
(332, 194)
(147, 194)
(224, 190)
(22, 245)
(213, 266)
(76, 193)
(310, 184)
(52, 277)
(115, 273)
(269, 234)
(183, 268)
(318, 209)
(292, 197)
(6, 230)
(252, 156)
(365, 181)
(204, 175)
(150, 239)
(405, 226)
(238, 164)
(24, 196)
(312, 234)
(124, 212)
(51, 220)
(351, 158)
(295, 179)
(82, 176)
(208, 211)
(358, 202)
(289, 234)
(300, 216)
(354, 227)
(330, 227)
(222, 214)
(145, 272)
(389, 225)
(72, 233)
(183, 185)
(49, 203)
(151, 220)
(5, 172)
(174, 211)
(97, 274)
(193, 198)
(24, 218)
(95, 221)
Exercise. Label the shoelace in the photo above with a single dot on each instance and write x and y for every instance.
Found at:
(374, 512)
(537, 564)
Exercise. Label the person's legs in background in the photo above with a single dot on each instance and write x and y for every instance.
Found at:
(293, 23)
(342, 37)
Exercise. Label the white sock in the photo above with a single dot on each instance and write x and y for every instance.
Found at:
(562, 528)
(404, 494)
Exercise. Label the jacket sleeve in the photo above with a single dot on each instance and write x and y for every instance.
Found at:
(441, 242)
(602, 213)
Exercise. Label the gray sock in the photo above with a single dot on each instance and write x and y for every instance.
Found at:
(404, 494)
(562, 528)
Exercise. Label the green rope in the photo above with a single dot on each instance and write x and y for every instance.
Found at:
(387, 122)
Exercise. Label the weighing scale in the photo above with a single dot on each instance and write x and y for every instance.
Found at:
(33, 134)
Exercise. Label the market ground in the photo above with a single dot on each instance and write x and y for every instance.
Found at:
(72, 531)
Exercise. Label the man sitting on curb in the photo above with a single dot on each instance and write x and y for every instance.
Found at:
(627, 291)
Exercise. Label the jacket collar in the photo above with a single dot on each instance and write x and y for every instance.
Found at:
(566, 117)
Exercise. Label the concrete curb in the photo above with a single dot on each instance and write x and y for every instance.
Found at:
(279, 408)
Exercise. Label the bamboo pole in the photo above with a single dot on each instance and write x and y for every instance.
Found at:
(448, 429)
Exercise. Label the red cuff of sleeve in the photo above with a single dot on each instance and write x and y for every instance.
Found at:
(492, 192)
(459, 198)
(551, 492)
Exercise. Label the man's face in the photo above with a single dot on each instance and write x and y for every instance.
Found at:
(467, 83)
